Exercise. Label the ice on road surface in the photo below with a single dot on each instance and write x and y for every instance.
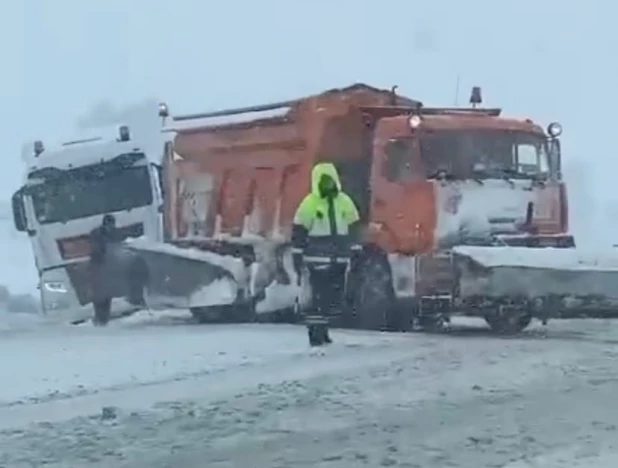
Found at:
(150, 393)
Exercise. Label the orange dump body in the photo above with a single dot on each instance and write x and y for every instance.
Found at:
(246, 179)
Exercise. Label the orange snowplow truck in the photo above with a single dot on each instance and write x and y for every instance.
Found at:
(424, 180)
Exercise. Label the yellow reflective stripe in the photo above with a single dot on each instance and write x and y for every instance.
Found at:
(316, 259)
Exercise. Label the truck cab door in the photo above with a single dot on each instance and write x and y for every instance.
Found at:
(402, 200)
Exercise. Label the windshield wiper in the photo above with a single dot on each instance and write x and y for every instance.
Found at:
(536, 178)
(513, 173)
(507, 176)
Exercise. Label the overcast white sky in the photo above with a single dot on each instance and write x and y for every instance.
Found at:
(546, 59)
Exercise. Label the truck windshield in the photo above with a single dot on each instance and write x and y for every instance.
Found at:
(485, 154)
(64, 195)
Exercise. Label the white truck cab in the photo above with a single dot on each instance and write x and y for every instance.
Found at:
(68, 189)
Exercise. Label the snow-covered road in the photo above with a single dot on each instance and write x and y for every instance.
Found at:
(251, 395)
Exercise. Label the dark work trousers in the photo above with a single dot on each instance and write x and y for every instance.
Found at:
(101, 292)
(327, 286)
(102, 311)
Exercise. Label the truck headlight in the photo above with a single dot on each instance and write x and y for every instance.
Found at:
(55, 286)
(414, 121)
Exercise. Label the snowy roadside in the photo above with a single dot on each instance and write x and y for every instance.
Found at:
(369, 400)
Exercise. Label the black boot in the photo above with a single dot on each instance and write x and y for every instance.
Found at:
(318, 334)
(314, 336)
(327, 339)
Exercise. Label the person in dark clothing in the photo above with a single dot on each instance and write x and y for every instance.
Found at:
(100, 238)
(322, 239)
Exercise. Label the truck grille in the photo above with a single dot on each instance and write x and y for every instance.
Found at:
(79, 246)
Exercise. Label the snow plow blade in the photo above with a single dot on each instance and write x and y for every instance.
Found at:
(549, 281)
(187, 277)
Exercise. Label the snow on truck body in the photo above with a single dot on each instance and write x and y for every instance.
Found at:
(68, 188)
(424, 179)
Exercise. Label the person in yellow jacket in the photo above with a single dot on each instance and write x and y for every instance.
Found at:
(324, 232)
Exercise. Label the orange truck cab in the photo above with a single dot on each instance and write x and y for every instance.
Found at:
(424, 180)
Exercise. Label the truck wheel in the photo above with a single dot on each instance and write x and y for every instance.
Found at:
(229, 313)
(211, 314)
(371, 298)
(432, 324)
(508, 324)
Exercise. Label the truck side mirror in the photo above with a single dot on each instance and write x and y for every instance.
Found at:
(19, 211)
(555, 157)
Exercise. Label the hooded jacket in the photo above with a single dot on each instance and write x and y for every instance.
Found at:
(324, 218)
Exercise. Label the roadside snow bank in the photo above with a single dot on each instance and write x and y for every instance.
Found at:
(18, 302)
(15, 322)
(18, 271)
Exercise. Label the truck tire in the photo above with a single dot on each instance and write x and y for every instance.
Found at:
(206, 314)
(370, 295)
(508, 325)
(229, 313)
(432, 324)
